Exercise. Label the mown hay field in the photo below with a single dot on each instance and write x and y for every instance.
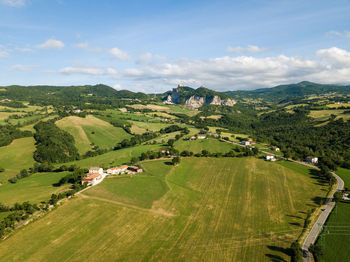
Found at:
(204, 209)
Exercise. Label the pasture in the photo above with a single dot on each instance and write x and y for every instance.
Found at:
(16, 156)
(205, 209)
(196, 146)
(91, 130)
(35, 188)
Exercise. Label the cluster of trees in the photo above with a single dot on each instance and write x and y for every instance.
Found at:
(9, 132)
(22, 174)
(135, 140)
(237, 152)
(53, 145)
(18, 212)
(174, 128)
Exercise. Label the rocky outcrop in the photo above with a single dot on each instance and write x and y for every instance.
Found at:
(179, 96)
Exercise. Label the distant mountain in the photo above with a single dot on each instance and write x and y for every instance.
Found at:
(196, 97)
(291, 91)
(67, 94)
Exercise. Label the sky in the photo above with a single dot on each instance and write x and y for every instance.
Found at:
(153, 46)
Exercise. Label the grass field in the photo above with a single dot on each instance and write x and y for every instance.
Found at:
(16, 156)
(90, 130)
(336, 236)
(210, 144)
(323, 115)
(205, 209)
(36, 188)
(338, 105)
(113, 158)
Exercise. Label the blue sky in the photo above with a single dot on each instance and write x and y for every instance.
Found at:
(152, 46)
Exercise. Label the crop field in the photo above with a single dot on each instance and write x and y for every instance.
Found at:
(91, 130)
(210, 144)
(338, 105)
(148, 126)
(204, 209)
(16, 156)
(337, 230)
(35, 188)
(323, 115)
(4, 115)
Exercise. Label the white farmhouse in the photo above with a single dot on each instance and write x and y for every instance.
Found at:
(270, 157)
(96, 170)
(312, 159)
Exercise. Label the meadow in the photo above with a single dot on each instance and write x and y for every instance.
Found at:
(16, 156)
(204, 209)
(35, 188)
(196, 146)
(91, 130)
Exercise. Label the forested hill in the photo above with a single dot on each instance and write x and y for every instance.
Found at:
(66, 95)
(291, 91)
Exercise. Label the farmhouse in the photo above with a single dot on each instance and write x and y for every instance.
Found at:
(96, 170)
(91, 179)
(192, 138)
(201, 137)
(135, 169)
(275, 148)
(270, 157)
(114, 170)
(245, 143)
(312, 159)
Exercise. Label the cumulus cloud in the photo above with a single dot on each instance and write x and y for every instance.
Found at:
(244, 72)
(120, 54)
(4, 53)
(250, 49)
(51, 44)
(94, 71)
(86, 46)
(13, 3)
(117, 86)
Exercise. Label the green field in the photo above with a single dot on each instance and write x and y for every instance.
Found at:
(113, 158)
(205, 209)
(196, 146)
(36, 188)
(323, 115)
(16, 156)
(91, 130)
(336, 236)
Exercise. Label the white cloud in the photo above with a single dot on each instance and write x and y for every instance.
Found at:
(336, 34)
(250, 49)
(13, 3)
(4, 53)
(51, 44)
(243, 72)
(86, 46)
(117, 86)
(24, 49)
(21, 67)
(94, 71)
(120, 54)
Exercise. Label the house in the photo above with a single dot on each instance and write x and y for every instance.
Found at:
(123, 168)
(91, 178)
(96, 170)
(192, 138)
(252, 142)
(77, 111)
(245, 143)
(270, 157)
(135, 169)
(201, 137)
(275, 148)
(113, 171)
(312, 159)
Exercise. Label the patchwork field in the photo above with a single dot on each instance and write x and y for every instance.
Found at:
(91, 130)
(210, 144)
(205, 209)
(36, 188)
(16, 156)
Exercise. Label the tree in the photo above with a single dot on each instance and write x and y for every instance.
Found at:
(176, 160)
(2, 169)
(134, 160)
(171, 142)
(296, 252)
(338, 196)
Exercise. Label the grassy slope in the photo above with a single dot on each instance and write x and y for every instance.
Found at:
(34, 189)
(240, 209)
(337, 236)
(196, 146)
(82, 129)
(114, 157)
(16, 156)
